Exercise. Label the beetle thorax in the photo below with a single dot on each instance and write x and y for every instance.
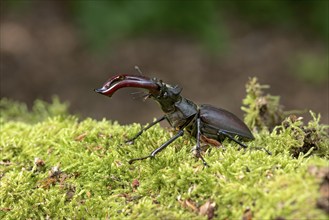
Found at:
(178, 110)
(184, 112)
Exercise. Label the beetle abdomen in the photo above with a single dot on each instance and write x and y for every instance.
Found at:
(216, 119)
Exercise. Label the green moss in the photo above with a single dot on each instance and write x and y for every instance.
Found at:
(16, 111)
(55, 166)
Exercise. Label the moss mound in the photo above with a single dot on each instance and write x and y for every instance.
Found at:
(55, 166)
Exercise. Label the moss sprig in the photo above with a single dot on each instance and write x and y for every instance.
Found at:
(262, 111)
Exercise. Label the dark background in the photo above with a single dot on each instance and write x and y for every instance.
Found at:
(210, 48)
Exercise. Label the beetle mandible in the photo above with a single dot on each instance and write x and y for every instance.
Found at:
(182, 114)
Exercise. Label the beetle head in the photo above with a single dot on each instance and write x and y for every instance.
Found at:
(168, 96)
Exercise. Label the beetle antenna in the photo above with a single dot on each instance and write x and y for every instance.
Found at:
(140, 95)
(139, 71)
(137, 95)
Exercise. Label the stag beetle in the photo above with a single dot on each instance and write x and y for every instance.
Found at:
(182, 114)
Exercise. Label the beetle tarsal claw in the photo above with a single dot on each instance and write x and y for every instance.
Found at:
(264, 149)
(140, 158)
(197, 153)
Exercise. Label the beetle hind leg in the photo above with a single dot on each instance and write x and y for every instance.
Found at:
(224, 133)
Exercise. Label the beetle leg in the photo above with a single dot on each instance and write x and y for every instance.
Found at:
(198, 148)
(221, 132)
(163, 146)
(130, 141)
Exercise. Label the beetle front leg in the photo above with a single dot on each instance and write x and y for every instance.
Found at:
(130, 141)
(163, 146)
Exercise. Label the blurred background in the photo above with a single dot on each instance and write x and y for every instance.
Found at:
(210, 48)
